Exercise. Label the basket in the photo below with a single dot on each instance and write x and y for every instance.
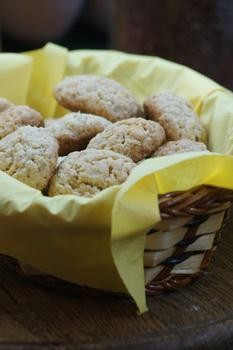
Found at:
(180, 247)
(177, 249)
(100, 242)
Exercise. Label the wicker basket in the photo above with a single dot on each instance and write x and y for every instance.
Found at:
(177, 249)
(182, 244)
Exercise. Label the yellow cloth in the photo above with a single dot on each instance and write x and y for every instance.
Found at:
(99, 242)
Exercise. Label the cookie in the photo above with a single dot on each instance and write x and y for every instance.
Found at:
(180, 146)
(136, 138)
(29, 154)
(75, 130)
(16, 116)
(4, 104)
(176, 116)
(97, 95)
(50, 122)
(88, 172)
(59, 160)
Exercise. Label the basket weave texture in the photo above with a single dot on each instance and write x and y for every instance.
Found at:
(182, 244)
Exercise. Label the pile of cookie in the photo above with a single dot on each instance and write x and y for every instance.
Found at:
(96, 145)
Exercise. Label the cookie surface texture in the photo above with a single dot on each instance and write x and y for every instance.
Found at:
(16, 116)
(75, 130)
(180, 146)
(176, 116)
(30, 155)
(97, 95)
(136, 138)
(88, 172)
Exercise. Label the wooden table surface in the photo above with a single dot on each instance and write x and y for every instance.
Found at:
(198, 317)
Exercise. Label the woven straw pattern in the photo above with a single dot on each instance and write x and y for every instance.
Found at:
(182, 244)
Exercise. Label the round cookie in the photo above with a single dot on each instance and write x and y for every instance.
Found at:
(180, 146)
(97, 95)
(136, 138)
(176, 116)
(5, 104)
(75, 130)
(88, 172)
(29, 154)
(16, 116)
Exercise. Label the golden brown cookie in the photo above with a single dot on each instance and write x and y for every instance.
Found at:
(176, 116)
(180, 146)
(136, 138)
(75, 130)
(29, 154)
(97, 95)
(5, 104)
(88, 172)
(16, 116)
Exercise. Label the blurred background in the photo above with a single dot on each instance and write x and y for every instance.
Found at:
(197, 33)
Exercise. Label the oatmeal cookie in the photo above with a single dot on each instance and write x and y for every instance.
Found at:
(5, 104)
(88, 172)
(136, 138)
(180, 146)
(29, 154)
(176, 116)
(97, 95)
(16, 116)
(75, 130)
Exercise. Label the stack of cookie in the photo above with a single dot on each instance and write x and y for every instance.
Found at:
(98, 144)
